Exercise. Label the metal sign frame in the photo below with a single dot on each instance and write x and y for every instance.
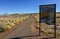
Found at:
(54, 18)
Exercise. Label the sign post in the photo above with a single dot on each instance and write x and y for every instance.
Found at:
(48, 19)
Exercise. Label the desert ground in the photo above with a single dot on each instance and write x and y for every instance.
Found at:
(26, 26)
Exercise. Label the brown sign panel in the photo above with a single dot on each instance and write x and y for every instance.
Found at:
(48, 19)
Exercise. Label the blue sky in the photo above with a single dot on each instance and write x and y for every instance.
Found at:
(25, 6)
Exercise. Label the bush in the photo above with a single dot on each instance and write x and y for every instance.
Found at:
(1, 29)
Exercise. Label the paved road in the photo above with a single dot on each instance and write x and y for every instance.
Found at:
(24, 30)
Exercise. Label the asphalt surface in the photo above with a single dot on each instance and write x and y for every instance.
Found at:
(25, 30)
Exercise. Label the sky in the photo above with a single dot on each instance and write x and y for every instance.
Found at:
(25, 6)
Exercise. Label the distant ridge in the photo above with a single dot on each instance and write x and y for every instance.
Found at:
(24, 14)
(58, 12)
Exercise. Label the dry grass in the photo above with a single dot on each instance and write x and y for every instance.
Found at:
(8, 22)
